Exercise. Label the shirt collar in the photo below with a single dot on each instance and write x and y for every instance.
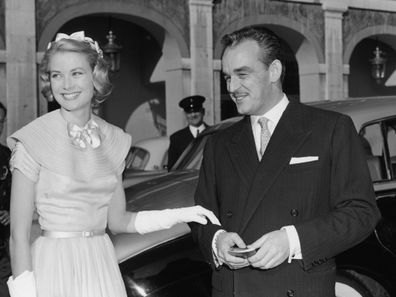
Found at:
(274, 114)
(194, 129)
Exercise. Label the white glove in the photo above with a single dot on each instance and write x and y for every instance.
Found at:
(154, 220)
(24, 285)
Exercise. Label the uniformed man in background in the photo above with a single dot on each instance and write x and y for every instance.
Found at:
(179, 140)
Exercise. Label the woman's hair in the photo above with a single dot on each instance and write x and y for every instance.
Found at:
(99, 66)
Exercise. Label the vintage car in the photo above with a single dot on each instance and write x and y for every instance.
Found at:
(168, 263)
(147, 158)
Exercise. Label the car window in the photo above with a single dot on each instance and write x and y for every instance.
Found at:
(391, 141)
(192, 155)
(137, 158)
(379, 143)
(164, 161)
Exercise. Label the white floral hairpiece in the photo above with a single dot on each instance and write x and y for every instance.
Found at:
(80, 36)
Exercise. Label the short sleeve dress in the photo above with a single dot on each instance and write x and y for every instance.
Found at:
(73, 190)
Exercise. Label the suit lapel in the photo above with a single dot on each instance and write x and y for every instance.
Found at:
(243, 153)
(289, 135)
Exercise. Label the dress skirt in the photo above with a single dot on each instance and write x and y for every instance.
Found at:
(76, 267)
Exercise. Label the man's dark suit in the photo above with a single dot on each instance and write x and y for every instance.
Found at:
(330, 201)
(178, 143)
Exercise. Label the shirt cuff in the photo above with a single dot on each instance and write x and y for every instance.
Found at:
(294, 243)
(216, 259)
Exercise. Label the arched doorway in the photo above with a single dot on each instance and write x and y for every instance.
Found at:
(151, 76)
(304, 57)
(360, 82)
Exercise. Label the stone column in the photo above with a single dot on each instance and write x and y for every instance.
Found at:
(333, 11)
(21, 63)
(201, 45)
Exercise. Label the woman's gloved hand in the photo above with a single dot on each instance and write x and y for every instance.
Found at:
(154, 220)
(24, 285)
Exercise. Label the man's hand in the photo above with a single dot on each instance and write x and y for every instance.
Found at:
(272, 249)
(225, 241)
(4, 217)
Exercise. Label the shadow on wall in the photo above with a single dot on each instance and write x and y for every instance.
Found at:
(145, 122)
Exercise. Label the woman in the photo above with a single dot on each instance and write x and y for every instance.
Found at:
(67, 166)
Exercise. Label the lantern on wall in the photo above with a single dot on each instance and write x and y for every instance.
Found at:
(112, 52)
(378, 65)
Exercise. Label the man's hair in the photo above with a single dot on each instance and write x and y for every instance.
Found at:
(269, 43)
(3, 108)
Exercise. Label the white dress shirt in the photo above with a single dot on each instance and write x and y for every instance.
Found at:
(273, 116)
(196, 130)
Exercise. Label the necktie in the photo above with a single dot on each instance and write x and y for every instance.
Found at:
(265, 134)
(89, 135)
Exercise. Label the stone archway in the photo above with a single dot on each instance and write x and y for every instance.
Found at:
(305, 46)
(365, 33)
(111, 7)
(163, 29)
(357, 53)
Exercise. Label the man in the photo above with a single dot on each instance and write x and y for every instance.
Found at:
(293, 187)
(179, 140)
(5, 188)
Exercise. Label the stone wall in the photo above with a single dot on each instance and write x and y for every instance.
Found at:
(175, 10)
(310, 16)
(356, 20)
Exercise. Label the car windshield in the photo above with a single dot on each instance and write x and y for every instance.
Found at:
(192, 155)
(137, 158)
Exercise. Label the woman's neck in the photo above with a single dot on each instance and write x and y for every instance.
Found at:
(80, 117)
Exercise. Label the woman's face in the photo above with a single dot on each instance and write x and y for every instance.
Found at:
(71, 79)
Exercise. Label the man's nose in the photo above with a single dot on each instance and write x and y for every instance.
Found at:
(233, 84)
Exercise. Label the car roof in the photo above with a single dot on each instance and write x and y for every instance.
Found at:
(361, 110)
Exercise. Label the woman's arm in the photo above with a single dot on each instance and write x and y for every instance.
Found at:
(21, 211)
(119, 220)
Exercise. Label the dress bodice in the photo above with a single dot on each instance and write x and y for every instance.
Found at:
(73, 187)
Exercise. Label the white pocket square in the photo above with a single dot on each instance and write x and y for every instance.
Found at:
(298, 160)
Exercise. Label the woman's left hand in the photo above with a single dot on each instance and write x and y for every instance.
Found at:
(196, 214)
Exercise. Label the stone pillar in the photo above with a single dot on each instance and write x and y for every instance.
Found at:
(21, 63)
(201, 45)
(333, 11)
(177, 82)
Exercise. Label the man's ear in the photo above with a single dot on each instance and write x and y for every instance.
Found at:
(275, 70)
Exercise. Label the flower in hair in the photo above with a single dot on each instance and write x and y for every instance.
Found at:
(80, 36)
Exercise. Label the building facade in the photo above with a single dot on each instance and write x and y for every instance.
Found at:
(172, 49)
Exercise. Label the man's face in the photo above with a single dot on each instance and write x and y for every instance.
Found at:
(2, 120)
(247, 78)
(195, 118)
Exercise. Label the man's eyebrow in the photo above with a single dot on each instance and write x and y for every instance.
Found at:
(242, 69)
(239, 70)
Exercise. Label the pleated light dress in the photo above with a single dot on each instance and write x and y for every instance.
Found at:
(73, 190)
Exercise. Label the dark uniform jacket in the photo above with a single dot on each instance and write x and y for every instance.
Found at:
(330, 200)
